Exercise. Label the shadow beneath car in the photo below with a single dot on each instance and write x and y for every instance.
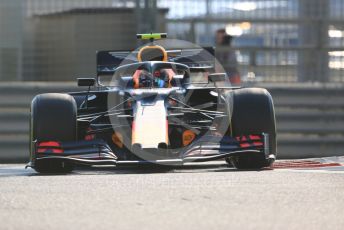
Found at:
(158, 169)
(12, 170)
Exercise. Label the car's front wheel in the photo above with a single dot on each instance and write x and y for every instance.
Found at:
(253, 113)
(53, 118)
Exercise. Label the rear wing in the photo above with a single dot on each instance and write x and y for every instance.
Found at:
(195, 58)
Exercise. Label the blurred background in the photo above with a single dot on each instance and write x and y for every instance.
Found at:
(292, 47)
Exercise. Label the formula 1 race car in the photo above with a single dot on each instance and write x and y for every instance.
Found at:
(153, 106)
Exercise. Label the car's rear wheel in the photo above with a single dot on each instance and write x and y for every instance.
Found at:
(53, 118)
(253, 113)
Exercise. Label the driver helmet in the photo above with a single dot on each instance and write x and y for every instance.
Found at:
(160, 78)
(145, 80)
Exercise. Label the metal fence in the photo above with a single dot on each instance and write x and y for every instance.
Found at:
(273, 40)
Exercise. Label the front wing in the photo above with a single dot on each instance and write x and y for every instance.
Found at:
(98, 152)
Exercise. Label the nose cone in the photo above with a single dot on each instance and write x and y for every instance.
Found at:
(150, 125)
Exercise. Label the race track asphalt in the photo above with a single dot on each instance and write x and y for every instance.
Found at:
(207, 196)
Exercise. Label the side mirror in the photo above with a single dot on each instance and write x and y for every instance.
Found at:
(216, 77)
(86, 82)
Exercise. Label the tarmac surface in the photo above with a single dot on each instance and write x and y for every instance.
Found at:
(303, 194)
